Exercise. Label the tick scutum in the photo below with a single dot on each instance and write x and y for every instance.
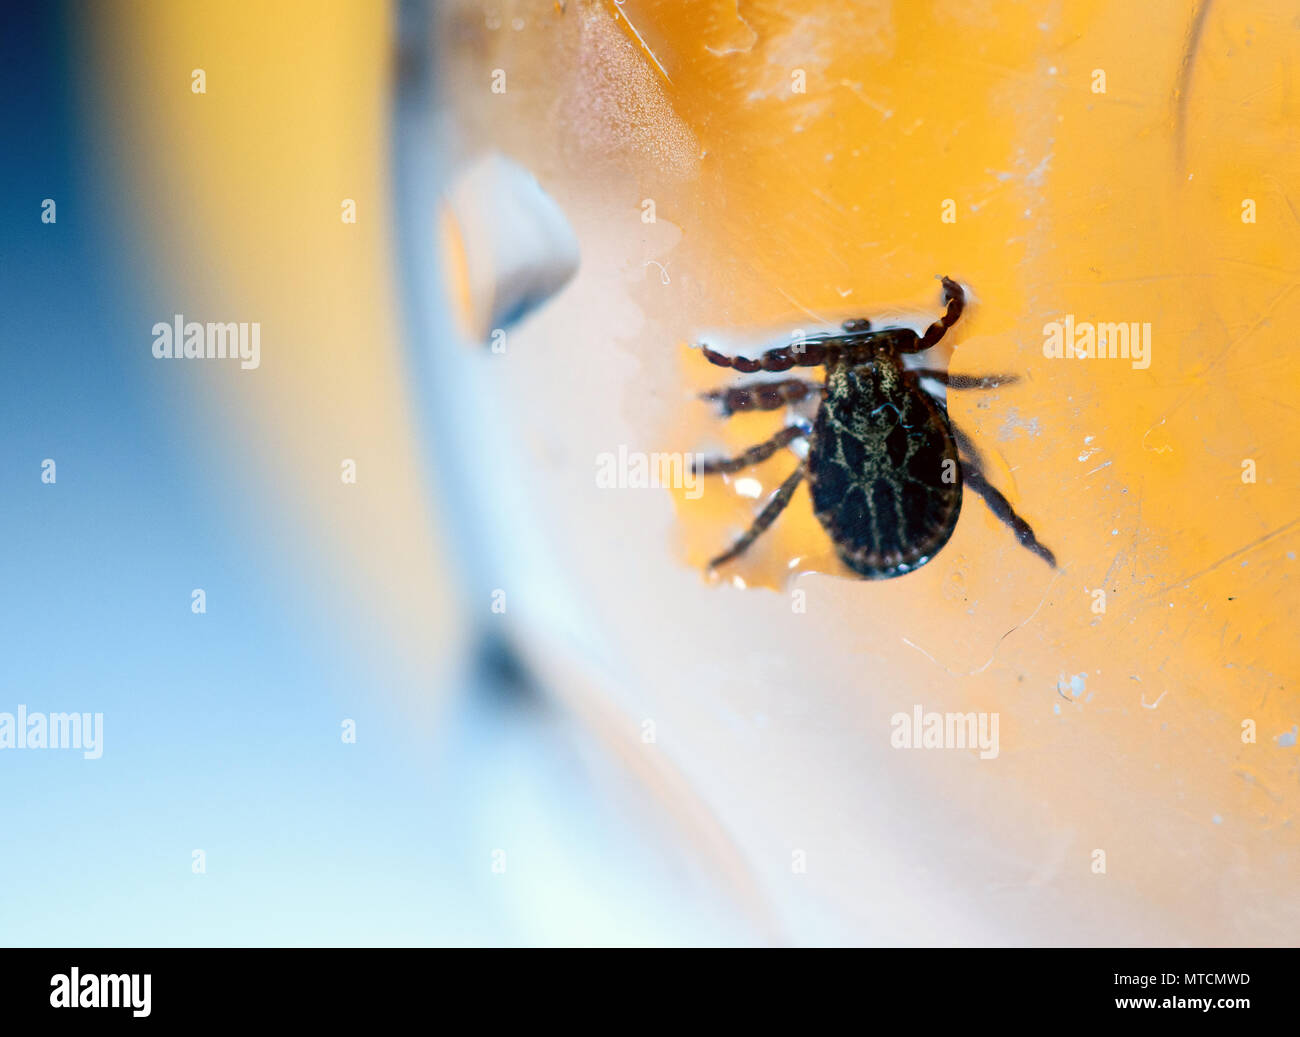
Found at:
(883, 467)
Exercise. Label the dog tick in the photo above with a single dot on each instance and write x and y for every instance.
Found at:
(885, 465)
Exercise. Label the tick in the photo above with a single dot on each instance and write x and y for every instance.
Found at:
(884, 465)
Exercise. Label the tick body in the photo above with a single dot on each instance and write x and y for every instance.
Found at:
(885, 466)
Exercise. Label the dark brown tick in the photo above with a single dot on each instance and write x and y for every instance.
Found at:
(885, 465)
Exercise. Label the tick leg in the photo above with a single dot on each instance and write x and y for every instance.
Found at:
(809, 353)
(763, 395)
(955, 300)
(966, 446)
(765, 518)
(1001, 507)
(752, 456)
(965, 381)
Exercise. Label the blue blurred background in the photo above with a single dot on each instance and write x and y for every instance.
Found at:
(223, 730)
